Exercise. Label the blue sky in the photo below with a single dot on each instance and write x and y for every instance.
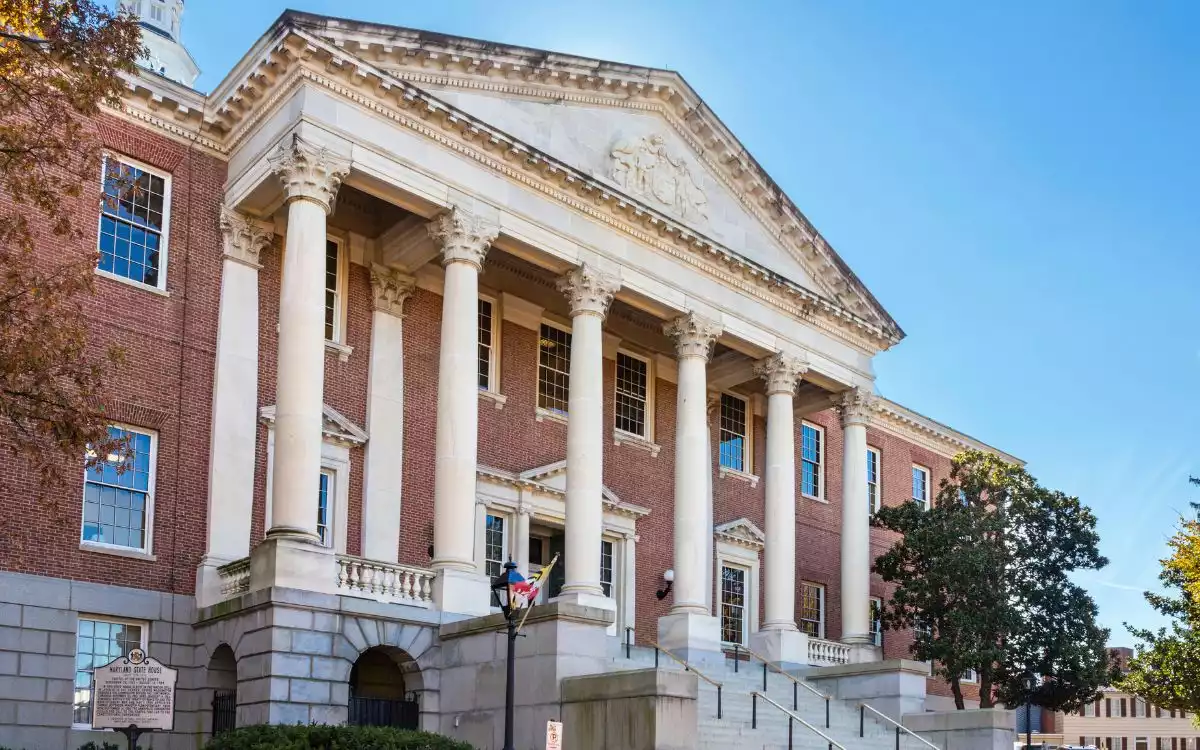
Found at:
(1017, 182)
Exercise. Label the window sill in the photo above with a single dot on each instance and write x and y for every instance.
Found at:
(620, 437)
(543, 415)
(343, 351)
(814, 498)
(132, 283)
(105, 549)
(741, 475)
(496, 398)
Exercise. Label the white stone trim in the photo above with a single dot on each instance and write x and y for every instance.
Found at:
(909, 425)
(621, 436)
(747, 472)
(877, 503)
(732, 551)
(494, 388)
(342, 241)
(927, 501)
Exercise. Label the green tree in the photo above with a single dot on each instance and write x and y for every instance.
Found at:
(982, 577)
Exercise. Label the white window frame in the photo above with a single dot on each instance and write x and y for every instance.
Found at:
(969, 676)
(144, 625)
(543, 411)
(164, 239)
(824, 593)
(876, 621)
(331, 505)
(876, 501)
(335, 459)
(146, 551)
(747, 439)
(746, 583)
(649, 420)
(493, 385)
(820, 460)
(925, 502)
(730, 554)
(341, 293)
(506, 536)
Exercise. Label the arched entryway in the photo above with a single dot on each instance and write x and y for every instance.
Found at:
(221, 681)
(385, 687)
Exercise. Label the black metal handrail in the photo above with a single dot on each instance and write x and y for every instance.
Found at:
(792, 717)
(796, 683)
(862, 720)
(689, 668)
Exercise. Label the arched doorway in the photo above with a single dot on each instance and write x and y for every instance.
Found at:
(221, 681)
(385, 689)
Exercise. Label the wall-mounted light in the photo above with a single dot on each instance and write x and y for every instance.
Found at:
(669, 577)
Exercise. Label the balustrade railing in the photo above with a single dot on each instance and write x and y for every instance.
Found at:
(385, 581)
(827, 653)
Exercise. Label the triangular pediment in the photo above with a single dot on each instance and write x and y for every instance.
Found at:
(742, 531)
(554, 477)
(334, 425)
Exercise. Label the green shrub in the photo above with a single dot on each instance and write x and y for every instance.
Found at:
(330, 737)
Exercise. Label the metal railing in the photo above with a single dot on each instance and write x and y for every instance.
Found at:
(688, 668)
(862, 720)
(796, 682)
(792, 717)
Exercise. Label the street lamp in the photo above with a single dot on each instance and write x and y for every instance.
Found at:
(1029, 682)
(502, 591)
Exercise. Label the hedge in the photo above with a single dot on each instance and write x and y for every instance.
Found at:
(330, 737)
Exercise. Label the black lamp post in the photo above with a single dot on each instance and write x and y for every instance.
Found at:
(1029, 682)
(502, 591)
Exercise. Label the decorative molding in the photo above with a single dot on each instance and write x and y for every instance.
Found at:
(781, 372)
(308, 172)
(856, 406)
(463, 236)
(621, 437)
(694, 335)
(646, 167)
(390, 288)
(742, 532)
(335, 427)
(245, 238)
(532, 480)
(929, 434)
(744, 476)
(588, 290)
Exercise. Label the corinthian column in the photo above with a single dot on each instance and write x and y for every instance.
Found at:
(383, 469)
(590, 293)
(464, 239)
(690, 628)
(855, 408)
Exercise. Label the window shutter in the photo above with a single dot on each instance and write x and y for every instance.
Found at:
(1108, 708)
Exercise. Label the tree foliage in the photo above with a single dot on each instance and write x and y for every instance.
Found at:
(60, 60)
(982, 579)
(1166, 668)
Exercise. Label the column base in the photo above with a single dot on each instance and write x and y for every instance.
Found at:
(294, 563)
(864, 653)
(462, 592)
(208, 581)
(786, 649)
(586, 599)
(693, 637)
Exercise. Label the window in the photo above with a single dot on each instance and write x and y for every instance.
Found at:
(1139, 709)
(118, 502)
(876, 621)
(920, 485)
(334, 291)
(97, 642)
(969, 676)
(632, 395)
(606, 567)
(156, 10)
(1089, 710)
(1141, 743)
(812, 609)
(554, 368)
(324, 493)
(494, 545)
(811, 454)
(487, 348)
(734, 434)
(133, 223)
(733, 604)
(873, 479)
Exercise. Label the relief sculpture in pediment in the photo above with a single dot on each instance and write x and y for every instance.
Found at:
(645, 167)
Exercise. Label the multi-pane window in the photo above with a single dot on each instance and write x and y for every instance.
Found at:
(632, 376)
(98, 642)
(735, 442)
(872, 479)
(733, 604)
(554, 368)
(324, 493)
(333, 292)
(493, 545)
(920, 485)
(876, 621)
(486, 328)
(1089, 710)
(812, 609)
(118, 493)
(606, 567)
(1139, 708)
(811, 450)
(969, 676)
(157, 10)
(133, 220)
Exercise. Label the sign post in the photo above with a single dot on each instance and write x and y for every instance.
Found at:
(134, 694)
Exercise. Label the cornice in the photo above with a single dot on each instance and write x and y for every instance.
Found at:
(928, 433)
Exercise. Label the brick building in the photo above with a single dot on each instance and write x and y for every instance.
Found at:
(402, 306)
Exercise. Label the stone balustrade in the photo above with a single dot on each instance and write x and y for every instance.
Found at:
(823, 653)
(235, 577)
(385, 581)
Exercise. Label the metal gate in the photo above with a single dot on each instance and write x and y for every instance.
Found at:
(385, 712)
(224, 712)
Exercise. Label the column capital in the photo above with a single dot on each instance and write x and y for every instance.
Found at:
(589, 291)
(390, 289)
(244, 237)
(525, 509)
(693, 334)
(463, 236)
(308, 172)
(856, 405)
(781, 372)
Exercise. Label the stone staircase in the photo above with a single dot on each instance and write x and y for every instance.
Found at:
(736, 729)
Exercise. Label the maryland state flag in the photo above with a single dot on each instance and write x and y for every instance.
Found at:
(525, 593)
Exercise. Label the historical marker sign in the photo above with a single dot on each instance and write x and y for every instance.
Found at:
(134, 690)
